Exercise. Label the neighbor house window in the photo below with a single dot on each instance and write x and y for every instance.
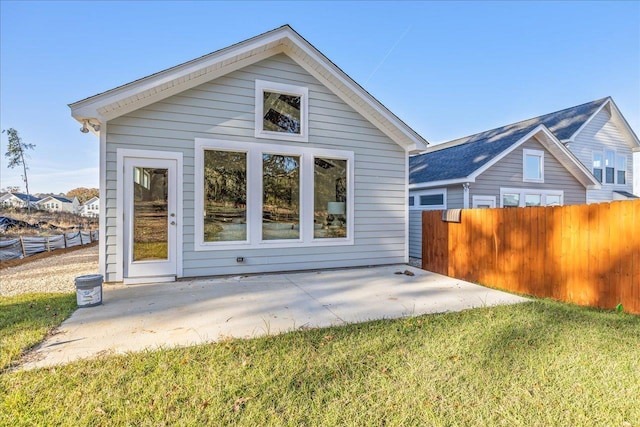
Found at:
(411, 200)
(225, 196)
(533, 165)
(621, 169)
(281, 111)
(609, 163)
(522, 197)
(329, 198)
(429, 199)
(598, 159)
(267, 196)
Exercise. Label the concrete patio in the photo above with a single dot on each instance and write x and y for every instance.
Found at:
(188, 312)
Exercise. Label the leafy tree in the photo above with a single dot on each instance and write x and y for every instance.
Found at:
(16, 154)
(83, 194)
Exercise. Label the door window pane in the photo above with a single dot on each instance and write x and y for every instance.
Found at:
(280, 197)
(150, 214)
(330, 198)
(225, 196)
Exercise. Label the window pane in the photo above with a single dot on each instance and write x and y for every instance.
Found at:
(598, 174)
(609, 157)
(597, 160)
(621, 166)
(553, 200)
(225, 196)
(532, 167)
(511, 200)
(281, 113)
(622, 177)
(330, 198)
(610, 173)
(150, 214)
(411, 200)
(432, 200)
(532, 200)
(280, 197)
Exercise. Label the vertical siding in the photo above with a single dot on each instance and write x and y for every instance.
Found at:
(508, 173)
(599, 134)
(224, 109)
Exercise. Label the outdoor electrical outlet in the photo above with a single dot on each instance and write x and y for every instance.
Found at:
(240, 259)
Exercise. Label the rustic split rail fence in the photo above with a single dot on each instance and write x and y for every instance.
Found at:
(583, 254)
(26, 246)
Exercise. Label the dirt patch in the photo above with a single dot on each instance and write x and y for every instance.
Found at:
(42, 255)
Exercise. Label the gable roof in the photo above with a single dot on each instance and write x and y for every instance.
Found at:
(464, 158)
(91, 200)
(59, 198)
(142, 92)
(24, 197)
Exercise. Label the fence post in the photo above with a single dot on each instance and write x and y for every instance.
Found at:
(80, 234)
(24, 252)
(48, 245)
(64, 238)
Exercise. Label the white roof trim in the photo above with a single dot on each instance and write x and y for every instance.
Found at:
(142, 92)
(441, 183)
(618, 119)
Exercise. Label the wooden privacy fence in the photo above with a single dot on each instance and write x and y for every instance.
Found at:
(584, 254)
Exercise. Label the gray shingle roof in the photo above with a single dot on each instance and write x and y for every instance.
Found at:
(463, 156)
(25, 197)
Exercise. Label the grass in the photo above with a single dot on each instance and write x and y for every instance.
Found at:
(535, 364)
(26, 319)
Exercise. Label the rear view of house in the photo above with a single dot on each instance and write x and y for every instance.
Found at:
(263, 156)
(18, 200)
(59, 204)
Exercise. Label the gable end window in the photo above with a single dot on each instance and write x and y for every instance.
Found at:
(621, 169)
(281, 111)
(610, 167)
(598, 160)
(532, 165)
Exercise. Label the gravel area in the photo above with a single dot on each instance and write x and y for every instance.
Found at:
(415, 262)
(53, 274)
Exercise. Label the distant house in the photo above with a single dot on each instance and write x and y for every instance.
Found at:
(18, 200)
(90, 208)
(580, 154)
(58, 204)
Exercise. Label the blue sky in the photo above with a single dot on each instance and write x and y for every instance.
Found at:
(448, 69)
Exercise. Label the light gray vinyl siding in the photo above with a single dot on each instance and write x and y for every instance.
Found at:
(508, 173)
(599, 134)
(224, 109)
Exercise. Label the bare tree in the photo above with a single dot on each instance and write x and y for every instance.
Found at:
(16, 154)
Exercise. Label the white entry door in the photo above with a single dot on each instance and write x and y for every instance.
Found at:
(150, 218)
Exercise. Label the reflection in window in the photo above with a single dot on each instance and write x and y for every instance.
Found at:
(511, 200)
(533, 200)
(533, 165)
(225, 196)
(597, 166)
(609, 160)
(330, 198)
(280, 197)
(281, 113)
(621, 169)
(150, 214)
(553, 200)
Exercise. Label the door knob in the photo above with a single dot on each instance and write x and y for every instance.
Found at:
(173, 223)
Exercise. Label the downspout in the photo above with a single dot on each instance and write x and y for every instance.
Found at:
(465, 195)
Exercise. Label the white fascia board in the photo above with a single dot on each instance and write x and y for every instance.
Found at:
(441, 183)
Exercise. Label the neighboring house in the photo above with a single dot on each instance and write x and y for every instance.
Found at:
(59, 204)
(260, 157)
(18, 200)
(91, 208)
(486, 170)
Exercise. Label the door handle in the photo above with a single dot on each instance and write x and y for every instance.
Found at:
(173, 223)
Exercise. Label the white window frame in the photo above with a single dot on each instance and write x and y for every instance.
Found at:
(531, 191)
(535, 153)
(593, 167)
(483, 200)
(254, 194)
(419, 207)
(616, 170)
(285, 89)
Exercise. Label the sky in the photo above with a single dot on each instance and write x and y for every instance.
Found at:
(447, 69)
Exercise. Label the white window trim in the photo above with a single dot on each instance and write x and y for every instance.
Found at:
(603, 153)
(531, 191)
(418, 207)
(616, 170)
(254, 195)
(302, 92)
(593, 168)
(537, 153)
(477, 200)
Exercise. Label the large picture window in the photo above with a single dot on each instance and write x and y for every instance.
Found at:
(281, 111)
(268, 195)
(225, 196)
(280, 197)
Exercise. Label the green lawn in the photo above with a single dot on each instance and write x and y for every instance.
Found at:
(535, 364)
